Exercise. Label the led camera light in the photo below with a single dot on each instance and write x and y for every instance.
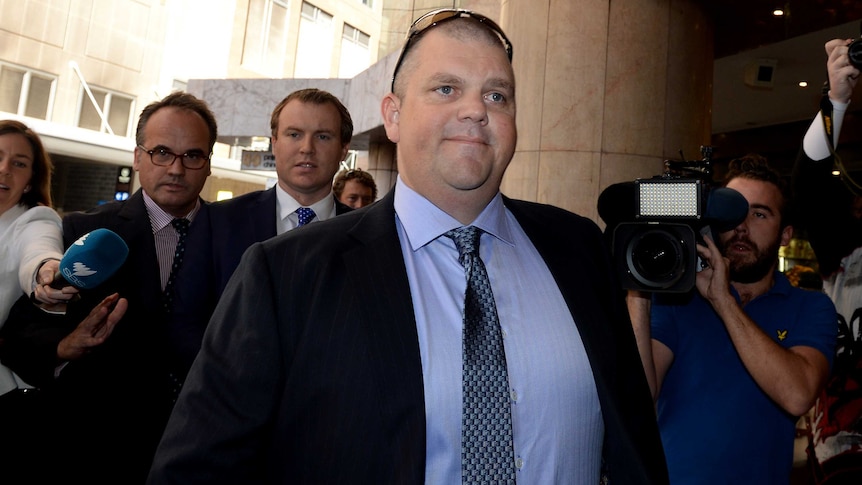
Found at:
(669, 198)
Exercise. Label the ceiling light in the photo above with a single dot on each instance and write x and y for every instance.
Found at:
(803, 84)
(778, 12)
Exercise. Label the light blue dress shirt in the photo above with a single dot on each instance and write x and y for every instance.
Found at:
(557, 422)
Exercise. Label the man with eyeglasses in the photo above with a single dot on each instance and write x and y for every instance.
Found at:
(114, 364)
(445, 334)
(311, 132)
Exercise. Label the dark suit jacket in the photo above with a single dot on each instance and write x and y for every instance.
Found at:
(310, 369)
(113, 404)
(240, 222)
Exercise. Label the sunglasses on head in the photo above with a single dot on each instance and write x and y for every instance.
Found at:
(437, 17)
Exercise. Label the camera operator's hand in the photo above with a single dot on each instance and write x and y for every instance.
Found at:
(842, 75)
(713, 281)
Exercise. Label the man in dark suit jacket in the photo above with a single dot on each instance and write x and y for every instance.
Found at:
(311, 132)
(114, 373)
(334, 355)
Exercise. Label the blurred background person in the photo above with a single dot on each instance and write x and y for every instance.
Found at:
(829, 212)
(354, 188)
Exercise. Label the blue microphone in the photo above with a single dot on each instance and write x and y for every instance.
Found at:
(91, 260)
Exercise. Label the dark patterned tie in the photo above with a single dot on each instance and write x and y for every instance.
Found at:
(305, 215)
(487, 451)
(182, 228)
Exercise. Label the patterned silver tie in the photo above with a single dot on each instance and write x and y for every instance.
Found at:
(487, 450)
(305, 215)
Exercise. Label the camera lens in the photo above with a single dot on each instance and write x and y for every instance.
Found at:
(854, 52)
(657, 258)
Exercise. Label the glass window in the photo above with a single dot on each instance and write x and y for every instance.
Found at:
(38, 97)
(26, 92)
(117, 109)
(265, 42)
(11, 82)
(355, 55)
(315, 44)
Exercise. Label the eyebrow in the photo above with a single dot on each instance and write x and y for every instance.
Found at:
(448, 78)
(762, 207)
(167, 148)
(293, 128)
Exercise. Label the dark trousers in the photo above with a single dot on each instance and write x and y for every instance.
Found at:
(24, 447)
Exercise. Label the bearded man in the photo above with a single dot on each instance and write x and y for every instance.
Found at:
(733, 364)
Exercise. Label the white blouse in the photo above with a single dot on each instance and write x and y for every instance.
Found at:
(27, 237)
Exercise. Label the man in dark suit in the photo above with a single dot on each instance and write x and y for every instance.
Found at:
(115, 372)
(311, 132)
(335, 354)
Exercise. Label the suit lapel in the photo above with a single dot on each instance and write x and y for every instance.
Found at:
(134, 227)
(376, 269)
(576, 278)
(263, 215)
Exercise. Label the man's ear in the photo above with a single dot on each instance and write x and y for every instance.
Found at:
(135, 164)
(786, 235)
(389, 108)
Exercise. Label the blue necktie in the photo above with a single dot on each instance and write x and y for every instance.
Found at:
(487, 450)
(305, 215)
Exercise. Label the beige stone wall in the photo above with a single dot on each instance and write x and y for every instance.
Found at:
(116, 43)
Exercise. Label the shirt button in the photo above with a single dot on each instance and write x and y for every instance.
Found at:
(503, 333)
(519, 463)
(514, 395)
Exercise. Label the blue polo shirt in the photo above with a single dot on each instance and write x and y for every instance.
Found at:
(717, 425)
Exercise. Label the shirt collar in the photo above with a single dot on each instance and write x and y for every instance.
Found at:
(424, 222)
(287, 205)
(159, 218)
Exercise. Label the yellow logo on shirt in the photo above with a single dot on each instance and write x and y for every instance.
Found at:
(782, 334)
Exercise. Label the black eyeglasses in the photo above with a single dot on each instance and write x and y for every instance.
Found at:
(165, 158)
(436, 17)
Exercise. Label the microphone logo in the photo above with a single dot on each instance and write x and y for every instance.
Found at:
(74, 274)
(81, 269)
(80, 241)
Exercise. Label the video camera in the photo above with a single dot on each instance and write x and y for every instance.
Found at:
(656, 223)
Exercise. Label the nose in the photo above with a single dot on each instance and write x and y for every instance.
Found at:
(307, 145)
(473, 108)
(4, 166)
(176, 167)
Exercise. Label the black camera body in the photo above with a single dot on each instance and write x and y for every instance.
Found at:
(854, 52)
(657, 251)
(657, 223)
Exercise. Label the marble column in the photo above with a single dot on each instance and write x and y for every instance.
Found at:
(607, 90)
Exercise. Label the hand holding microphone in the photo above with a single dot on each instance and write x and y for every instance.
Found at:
(44, 293)
(87, 263)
